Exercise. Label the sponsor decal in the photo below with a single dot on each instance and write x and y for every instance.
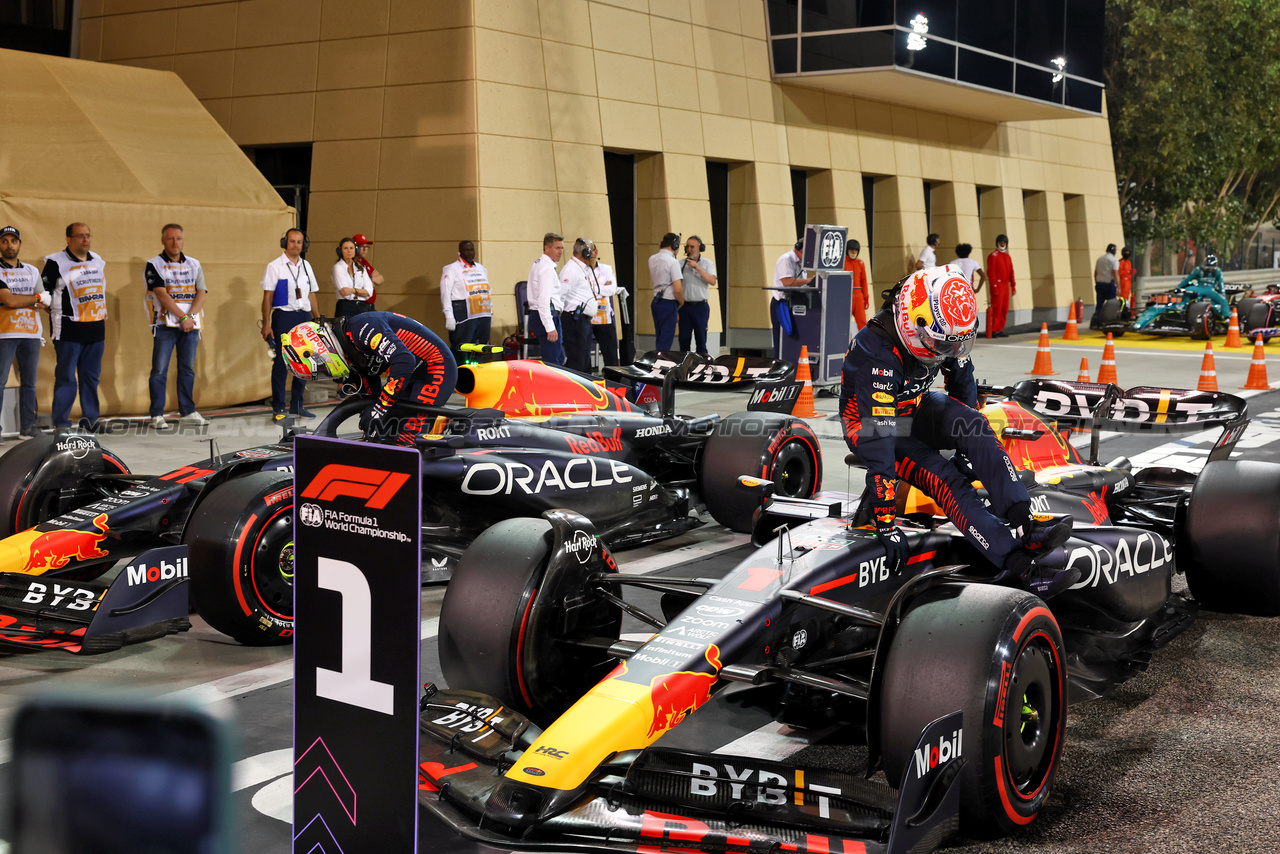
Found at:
(596, 443)
(707, 780)
(718, 611)
(489, 478)
(882, 411)
(1003, 694)
(543, 750)
(78, 446)
(533, 772)
(1097, 506)
(949, 747)
(487, 434)
(164, 571)
(377, 487)
(676, 695)
(469, 718)
(582, 545)
(55, 595)
(881, 372)
(285, 494)
(1131, 556)
(882, 397)
(981, 540)
(872, 571)
(882, 386)
(55, 549)
(257, 454)
(655, 430)
(1040, 504)
(775, 394)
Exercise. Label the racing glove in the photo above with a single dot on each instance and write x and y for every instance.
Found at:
(375, 424)
(896, 550)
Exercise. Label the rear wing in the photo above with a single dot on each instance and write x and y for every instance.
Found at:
(774, 380)
(1141, 409)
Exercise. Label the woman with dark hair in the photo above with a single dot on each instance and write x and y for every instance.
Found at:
(350, 280)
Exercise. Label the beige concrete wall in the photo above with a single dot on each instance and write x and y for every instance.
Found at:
(440, 120)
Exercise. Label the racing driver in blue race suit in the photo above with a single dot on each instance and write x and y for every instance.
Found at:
(358, 349)
(896, 425)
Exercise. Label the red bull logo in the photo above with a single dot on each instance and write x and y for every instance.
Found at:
(55, 549)
(676, 695)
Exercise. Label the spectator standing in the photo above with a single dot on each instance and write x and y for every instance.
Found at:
(466, 299)
(603, 328)
(577, 295)
(76, 280)
(1124, 277)
(929, 254)
(1003, 285)
(176, 288)
(861, 290)
(362, 254)
(543, 297)
(970, 267)
(350, 280)
(668, 291)
(1104, 280)
(698, 276)
(289, 289)
(787, 273)
(20, 334)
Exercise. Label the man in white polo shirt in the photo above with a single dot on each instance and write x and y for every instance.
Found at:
(21, 293)
(788, 272)
(543, 297)
(466, 300)
(76, 280)
(578, 294)
(175, 284)
(289, 288)
(668, 291)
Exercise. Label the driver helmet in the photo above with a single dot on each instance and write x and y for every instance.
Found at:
(312, 350)
(936, 314)
(1210, 261)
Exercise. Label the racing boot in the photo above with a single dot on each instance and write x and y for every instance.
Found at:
(1039, 538)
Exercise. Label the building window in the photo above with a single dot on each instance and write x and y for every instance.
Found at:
(37, 26)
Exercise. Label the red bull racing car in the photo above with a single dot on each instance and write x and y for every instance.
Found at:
(557, 733)
(532, 438)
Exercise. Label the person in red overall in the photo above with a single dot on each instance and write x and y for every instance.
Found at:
(860, 289)
(1125, 275)
(1000, 272)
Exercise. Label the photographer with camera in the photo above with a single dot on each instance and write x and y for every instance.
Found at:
(579, 298)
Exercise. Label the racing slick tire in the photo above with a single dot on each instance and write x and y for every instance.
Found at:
(1257, 317)
(240, 542)
(996, 654)
(1110, 313)
(1229, 546)
(1200, 320)
(1243, 307)
(766, 445)
(23, 501)
(504, 634)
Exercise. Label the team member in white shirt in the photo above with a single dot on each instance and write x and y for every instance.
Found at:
(603, 329)
(787, 273)
(699, 273)
(466, 297)
(543, 297)
(970, 267)
(929, 254)
(77, 282)
(350, 280)
(21, 293)
(175, 284)
(578, 295)
(289, 288)
(668, 291)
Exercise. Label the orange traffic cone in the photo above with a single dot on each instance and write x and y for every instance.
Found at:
(1208, 371)
(1257, 368)
(1107, 373)
(1044, 362)
(1084, 372)
(1072, 333)
(804, 403)
(1233, 331)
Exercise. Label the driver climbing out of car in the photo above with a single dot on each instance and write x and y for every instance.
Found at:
(1206, 281)
(896, 426)
(359, 349)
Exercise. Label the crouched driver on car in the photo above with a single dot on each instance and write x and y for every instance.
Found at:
(896, 426)
(359, 349)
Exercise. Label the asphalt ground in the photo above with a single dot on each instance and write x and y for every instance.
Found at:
(1181, 758)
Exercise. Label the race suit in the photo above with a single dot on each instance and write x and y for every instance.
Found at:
(896, 426)
(418, 365)
(1208, 284)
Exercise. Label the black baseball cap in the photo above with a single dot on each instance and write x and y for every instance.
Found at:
(8, 229)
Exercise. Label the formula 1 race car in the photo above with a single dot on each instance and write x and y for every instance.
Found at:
(556, 733)
(638, 476)
(1175, 312)
(1260, 315)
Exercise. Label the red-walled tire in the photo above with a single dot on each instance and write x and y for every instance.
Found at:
(766, 445)
(240, 542)
(995, 654)
(23, 503)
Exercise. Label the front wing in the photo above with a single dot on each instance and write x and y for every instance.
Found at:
(677, 800)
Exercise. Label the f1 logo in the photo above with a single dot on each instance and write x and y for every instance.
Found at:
(376, 486)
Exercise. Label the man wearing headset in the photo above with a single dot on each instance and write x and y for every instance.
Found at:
(578, 295)
(358, 350)
(289, 288)
(668, 291)
(699, 277)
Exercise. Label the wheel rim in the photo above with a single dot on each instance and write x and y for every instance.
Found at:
(555, 666)
(272, 564)
(792, 470)
(1032, 718)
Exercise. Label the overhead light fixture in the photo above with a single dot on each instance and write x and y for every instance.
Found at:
(919, 28)
(1061, 65)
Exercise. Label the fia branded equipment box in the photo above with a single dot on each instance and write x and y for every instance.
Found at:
(824, 248)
